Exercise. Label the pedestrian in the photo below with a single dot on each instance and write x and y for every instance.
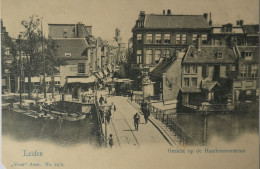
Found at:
(131, 95)
(109, 90)
(108, 115)
(136, 121)
(146, 115)
(113, 91)
(114, 108)
(101, 115)
(101, 99)
(110, 141)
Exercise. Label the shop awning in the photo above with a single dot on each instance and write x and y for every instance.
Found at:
(90, 79)
(123, 80)
(33, 79)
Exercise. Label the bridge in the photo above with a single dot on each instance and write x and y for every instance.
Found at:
(122, 128)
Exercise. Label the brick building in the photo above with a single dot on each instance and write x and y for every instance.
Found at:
(246, 85)
(156, 36)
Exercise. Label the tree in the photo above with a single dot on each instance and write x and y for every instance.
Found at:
(31, 45)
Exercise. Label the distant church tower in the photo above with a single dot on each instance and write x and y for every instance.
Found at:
(118, 38)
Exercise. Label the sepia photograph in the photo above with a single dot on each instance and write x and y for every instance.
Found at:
(129, 84)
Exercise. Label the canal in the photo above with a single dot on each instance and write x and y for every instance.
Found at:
(225, 126)
(24, 128)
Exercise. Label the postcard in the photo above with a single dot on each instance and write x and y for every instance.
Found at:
(140, 84)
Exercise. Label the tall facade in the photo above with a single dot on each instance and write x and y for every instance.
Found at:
(156, 36)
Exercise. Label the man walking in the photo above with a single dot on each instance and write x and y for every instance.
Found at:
(146, 115)
(136, 121)
(110, 141)
(101, 99)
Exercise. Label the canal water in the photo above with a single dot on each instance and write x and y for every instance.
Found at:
(24, 128)
(226, 127)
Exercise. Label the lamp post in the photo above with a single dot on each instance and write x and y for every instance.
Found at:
(44, 80)
(20, 63)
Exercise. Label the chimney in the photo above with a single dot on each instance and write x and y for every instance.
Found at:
(169, 12)
(210, 21)
(199, 43)
(163, 12)
(142, 13)
(205, 16)
(240, 22)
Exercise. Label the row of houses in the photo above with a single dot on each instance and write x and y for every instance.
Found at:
(86, 59)
(190, 60)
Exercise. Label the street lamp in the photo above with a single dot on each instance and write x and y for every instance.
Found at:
(20, 63)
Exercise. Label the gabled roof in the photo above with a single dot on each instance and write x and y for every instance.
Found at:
(175, 21)
(161, 68)
(75, 46)
(209, 85)
(251, 29)
(253, 49)
(208, 54)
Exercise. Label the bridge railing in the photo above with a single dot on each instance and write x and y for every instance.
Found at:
(168, 119)
(184, 136)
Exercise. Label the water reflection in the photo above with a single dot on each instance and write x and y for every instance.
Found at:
(225, 126)
(24, 128)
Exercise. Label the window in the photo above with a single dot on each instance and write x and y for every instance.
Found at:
(193, 69)
(184, 39)
(7, 52)
(186, 69)
(248, 92)
(139, 38)
(9, 61)
(166, 53)
(194, 82)
(149, 38)
(248, 55)
(254, 71)
(158, 38)
(239, 42)
(138, 56)
(157, 55)
(243, 71)
(81, 68)
(204, 38)
(186, 81)
(57, 82)
(218, 42)
(178, 39)
(167, 38)
(204, 71)
(219, 55)
(194, 38)
(232, 68)
(148, 57)
(67, 54)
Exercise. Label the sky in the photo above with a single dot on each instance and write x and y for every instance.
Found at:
(107, 15)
